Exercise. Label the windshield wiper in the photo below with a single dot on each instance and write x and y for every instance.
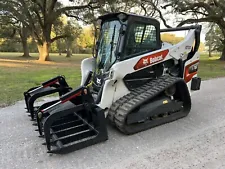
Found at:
(112, 43)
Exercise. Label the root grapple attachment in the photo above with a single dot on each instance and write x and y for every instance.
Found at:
(72, 123)
(54, 85)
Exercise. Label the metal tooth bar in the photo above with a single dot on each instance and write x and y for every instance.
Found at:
(63, 119)
(79, 141)
(58, 143)
(72, 137)
(67, 125)
(34, 124)
(86, 122)
(66, 130)
(85, 135)
(68, 145)
(64, 122)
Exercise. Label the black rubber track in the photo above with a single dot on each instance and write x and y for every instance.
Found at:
(122, 107)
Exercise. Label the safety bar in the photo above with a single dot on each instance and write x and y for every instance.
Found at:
(198, 27)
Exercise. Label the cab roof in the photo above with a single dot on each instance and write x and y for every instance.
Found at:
(129, 15)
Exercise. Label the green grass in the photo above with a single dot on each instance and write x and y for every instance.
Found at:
(18, 74)
(211, 67)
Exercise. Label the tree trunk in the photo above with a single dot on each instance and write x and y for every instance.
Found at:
(44, 51)
(24, 36)
(210, 50)
(25, 49)
(210, 44)
(68, 52)
(222, 57)
(58, 43)
(59, 47)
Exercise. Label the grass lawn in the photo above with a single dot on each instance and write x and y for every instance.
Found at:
(18, 74)
(211, 67)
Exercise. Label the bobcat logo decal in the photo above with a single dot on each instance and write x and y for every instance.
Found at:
(145, 61)
(151, 59)
(98, 81)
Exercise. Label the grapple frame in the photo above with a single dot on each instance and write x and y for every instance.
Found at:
(72, 122)
(55, 85)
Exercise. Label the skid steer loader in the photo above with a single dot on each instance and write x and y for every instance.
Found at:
(135, 80)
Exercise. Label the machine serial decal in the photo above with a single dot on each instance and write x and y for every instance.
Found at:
(151, 59)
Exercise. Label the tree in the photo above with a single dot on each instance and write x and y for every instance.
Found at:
(39, 16)
(201, 11)
(10, 27)
(72, 30)
(213, 39)
(86, 38)
(58, 30)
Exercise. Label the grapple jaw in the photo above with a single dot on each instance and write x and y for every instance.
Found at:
(72, 123)
(55, 85)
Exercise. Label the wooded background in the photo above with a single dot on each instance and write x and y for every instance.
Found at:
(45, 26)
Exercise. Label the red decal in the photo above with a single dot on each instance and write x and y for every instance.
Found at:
(151, 59)
(188, 76)
(71, 97)
(50, 83)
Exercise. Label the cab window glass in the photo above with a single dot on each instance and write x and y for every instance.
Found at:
(141, 38)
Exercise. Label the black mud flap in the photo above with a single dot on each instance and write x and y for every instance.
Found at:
(196, 83)
(54, 85)
(67, 126)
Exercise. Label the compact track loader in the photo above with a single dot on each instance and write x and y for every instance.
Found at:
(135, 80)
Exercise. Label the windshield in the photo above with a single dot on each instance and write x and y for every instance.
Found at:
(107, 44)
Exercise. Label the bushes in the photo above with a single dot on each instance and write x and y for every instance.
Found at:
(10, 46)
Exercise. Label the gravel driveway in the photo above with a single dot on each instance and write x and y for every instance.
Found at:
(197, 141)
